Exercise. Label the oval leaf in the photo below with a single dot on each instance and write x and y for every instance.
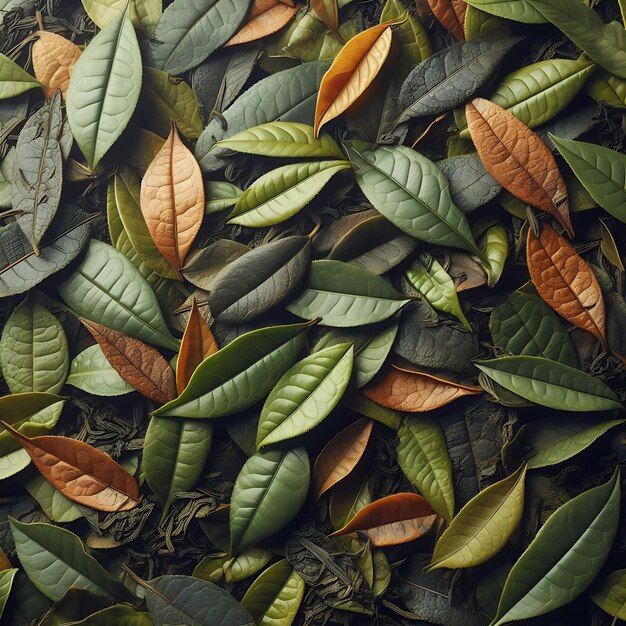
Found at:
(53, 59)
(91, 372)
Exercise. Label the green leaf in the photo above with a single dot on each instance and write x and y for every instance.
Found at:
(269, 491)
(283, 140)
(607, 89)
(220, 195)
(145, 13)
(6, 177)
(524, 325)
(107, 287)
(305, 395)
(204, 266)
(410, 191)
(495, 246)
(344, 296)
(240, 374)
(610, 595)
(550, 383)
(6, 582)
(56, 560)
(53, 503)
(33, 350)
(246, 564)
(601, 171)
(481, 25)
(102, 96)
(564, 557)
(118, 614)
(91, 372)
(423, 458)
(175, 452)
(274, 598)
(517, 10)
(283, 192)
(13, 79)
(483, 526)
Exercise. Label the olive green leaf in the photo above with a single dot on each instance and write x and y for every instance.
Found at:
(246, 564)
(306, 394)
(423, 458)
(283, 140)
(91, 372)
(601, 171)
(575, 542)
(481, 25)
(102, 96)
(275, 596)
(283, 192)
(53, 503)
(55, 560)
(6, 178)
(204, 266)
(240, 374)
(610, 595)
(495, 246)
(13, 79)
(269, 491)
(410, 191)
(6, 582)
(550, 383)
(145, 13)
(33, 349)
(390, 418)
(107, 287)
(483, 526)
(607, 89)
(517, 10)
(118, 614)
(220, 195)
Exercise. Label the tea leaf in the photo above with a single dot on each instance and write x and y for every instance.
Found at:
(53, 59)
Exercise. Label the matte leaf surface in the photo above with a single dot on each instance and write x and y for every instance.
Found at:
(54, 57)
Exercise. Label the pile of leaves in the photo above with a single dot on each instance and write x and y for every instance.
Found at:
(312, 312)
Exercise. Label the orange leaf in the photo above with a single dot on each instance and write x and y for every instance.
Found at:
(198, 343)
(139, 364)
(340, 455)
(351, 73)
(264, 18)
(565, 281)
(172, 199)
(328, 12)
(415, 392)
(81, 472)
(517, 158)
(392, 520)
(451, 15)
(53, 58)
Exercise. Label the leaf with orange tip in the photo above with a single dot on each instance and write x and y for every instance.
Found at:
(340, 455)
(328, 12)
(53, 59)
(265, 17)
(198, 343)
(517, 158)
(451, 15)
(415, 392)
(352, 72)
(172, 199)
(81, 472)
(393, 520)
(565, 281)
(139, 364)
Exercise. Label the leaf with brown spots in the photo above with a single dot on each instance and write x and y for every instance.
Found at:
(139, 364)
(264, 18)
(451, 15)
(53, 59)
(81, 472)
(415, 392)
(393, 520)
(340, 455)
(517, 158)
(566, 281)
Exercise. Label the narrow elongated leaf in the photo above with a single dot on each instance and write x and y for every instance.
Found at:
(53, 59)
(483, 526)
(264, 18)
(305, 395)
(610, 596)
(13, 79)
(451, 15)
(204, 266)
(575, 541)
(269, 491)
(550, 383)
(517, 10)
(495, 246)
(102, 96)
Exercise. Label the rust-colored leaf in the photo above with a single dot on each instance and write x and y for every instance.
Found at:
(517, 158)
(566, 281)
(393, 520)
(264, 18)
(415, 392)
(328, 12)
(81, 472)
(53, 59)
(172, 199)
(4, 561)
(198, 343)
(351, 73)
(340, 455)
(451, 15)
(139, 364)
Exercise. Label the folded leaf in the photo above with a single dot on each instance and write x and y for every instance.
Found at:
(610, 595)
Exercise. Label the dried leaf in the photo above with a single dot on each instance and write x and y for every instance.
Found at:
(53, 59)
(328, 12)
(264, 18)
(451, 15)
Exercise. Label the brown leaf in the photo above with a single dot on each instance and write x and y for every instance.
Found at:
(517, 158)
(264, 18)
(340, 455)
(566, 281)
(328, 12)
(351, 73)
(172, 199)
(393, 520)
(4, 561)
(415, 392)
(53, 59)
(139, 364)
(451, 15)
(198, 343)
(81, 472)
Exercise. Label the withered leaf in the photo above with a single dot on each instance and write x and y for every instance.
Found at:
(451, 15)
(264, 18)
(53, 59)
